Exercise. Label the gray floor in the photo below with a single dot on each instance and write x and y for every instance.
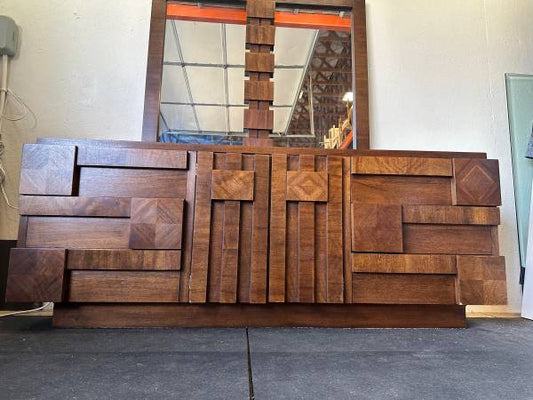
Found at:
(493, 359)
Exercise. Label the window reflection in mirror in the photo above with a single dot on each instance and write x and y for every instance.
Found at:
(202, 94)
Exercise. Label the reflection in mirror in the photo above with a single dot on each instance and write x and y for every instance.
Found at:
(202, 94)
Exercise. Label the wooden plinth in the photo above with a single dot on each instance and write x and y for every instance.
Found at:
(270, 315)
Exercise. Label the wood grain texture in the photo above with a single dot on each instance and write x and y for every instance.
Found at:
(401, 166)
(124, 260)
(78, 233)
(347, 230)
(35, 275)
(47, 170)
(377, 228)
(259, 90)
(135, 158)
(251, 315)
(260, 34)
(447, 239)
(75, 206)
(476, 182)
(404, 263)
(23, 230)
(123, 286)
(307, 186)
(259, 62)
(143, 183)
(401, 189)
(403, 289)
(259, 119)
(232, 185)
(156, 223)
(481, 280)
(260, 9)
(453, 215)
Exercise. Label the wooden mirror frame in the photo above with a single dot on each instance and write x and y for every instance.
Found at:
(156, 43)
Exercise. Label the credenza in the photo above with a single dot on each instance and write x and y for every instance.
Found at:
(132, 234)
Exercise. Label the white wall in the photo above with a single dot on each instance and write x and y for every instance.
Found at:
(436, 80)
(81, 69)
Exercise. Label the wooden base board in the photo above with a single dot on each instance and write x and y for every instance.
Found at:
(264, 315)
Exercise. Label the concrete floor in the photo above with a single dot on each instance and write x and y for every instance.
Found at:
(493, 359)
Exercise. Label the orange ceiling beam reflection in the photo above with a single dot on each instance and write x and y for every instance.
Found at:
(238, 16)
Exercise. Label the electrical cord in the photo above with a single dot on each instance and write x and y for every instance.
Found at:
(26, 311)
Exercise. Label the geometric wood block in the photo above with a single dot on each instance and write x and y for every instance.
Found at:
(259, 119)
(377, 227)
(75, 206)
(47, 169)
(35, 275)
(117, 259)
(307, 186)
(156, 223)
(260, 9)
(260, 34)
(376, 165)
(258, 90)
(138, 158)
(232, 185)
(259, 62)
(476, 182)
(481, 280)
(452, 215)
(403, 289)
(404, 263)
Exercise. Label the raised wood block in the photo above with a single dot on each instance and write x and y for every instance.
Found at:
(259, 62)
(260, 34)
(375, 165)
(136, 158)
(403, 289)
(453, 215)
(307, 186)
(481, 280)
(123, 286)
(47, 170)
(377, 227)
(35, 275)
(75, 206)
(401, 189)
(447, 239)
(259, 90)
(156, 223)
(168, 260)
(123, 182)
(232, 185)
(78, 233)
(404, 263)
(259, 119)
(476, 182)
(260, 9)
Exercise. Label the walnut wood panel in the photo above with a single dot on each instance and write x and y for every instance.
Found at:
(260, 34)
(404, 263)
(401, 189)
(137, 158)
(420, 214)
(259, 119)
(81, 233)
(403, 289)
(447, 239)
(232, 185)
(35, 275)
(476, 182)
(251, 315)
(259, 90)
(307, 186)
(123, 286)
(401, 166)
(122, 182)
(481, 280)
(377, 227)
(47, 169)
(259, 62)
(75, 206)
(156, 223)
(124, 260)
(260, 9)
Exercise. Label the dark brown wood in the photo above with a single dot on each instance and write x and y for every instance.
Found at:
(124, 260)
(259, 119)
(260, 34)
(22, 233)
(404, 263)
(259, 62)
(260, 9)
(123, 286)
(401, 166)
(47, 170)
(346, 231)
(154, 71)
(156, 223)
(75, 206)
(307, 185)
(259, 90)
(476, 182)
(146, 158)
(481, 280)
(250, 315)
(377, 227)
(35, 275)
(420, 214)
(232, 185)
